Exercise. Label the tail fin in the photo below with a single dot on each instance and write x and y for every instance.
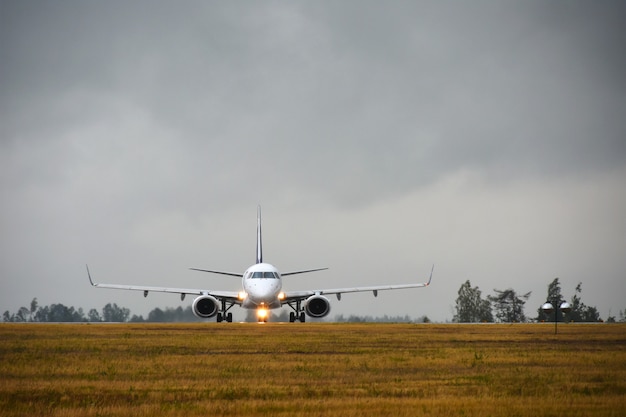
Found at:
(259, 249)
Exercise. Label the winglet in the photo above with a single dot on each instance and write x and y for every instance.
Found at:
(89, 275)
(431, 275)
(259, 249)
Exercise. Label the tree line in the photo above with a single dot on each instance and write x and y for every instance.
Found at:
(504, 306)
(507, 306)
(110, 313)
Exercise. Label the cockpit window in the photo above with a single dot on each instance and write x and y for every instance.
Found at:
(266, 274)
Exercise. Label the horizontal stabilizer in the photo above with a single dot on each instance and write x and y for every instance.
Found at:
(302, 272)
(232, 274)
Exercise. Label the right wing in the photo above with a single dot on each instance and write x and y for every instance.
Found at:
(227, 295)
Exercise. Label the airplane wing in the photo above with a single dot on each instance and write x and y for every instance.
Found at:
(229, 295)
(300, 295)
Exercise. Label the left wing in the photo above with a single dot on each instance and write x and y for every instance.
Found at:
(300, 295)
(228, 295)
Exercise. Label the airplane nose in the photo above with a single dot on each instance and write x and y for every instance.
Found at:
(263, 291)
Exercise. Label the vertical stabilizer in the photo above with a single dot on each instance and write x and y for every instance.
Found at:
(259, 249)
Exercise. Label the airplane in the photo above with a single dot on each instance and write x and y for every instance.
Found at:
(261, 290)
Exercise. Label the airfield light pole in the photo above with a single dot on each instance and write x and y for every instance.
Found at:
(548, 308)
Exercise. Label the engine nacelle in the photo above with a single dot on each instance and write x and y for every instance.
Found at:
(317, 306)
(205, 306)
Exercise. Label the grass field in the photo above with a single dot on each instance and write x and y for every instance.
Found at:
(312, 369)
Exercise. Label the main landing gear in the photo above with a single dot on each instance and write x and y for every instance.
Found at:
(227, 317)
(224, 315)
(293, 317)
(297, 313)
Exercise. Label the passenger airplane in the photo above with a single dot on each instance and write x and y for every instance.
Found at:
(262, 290)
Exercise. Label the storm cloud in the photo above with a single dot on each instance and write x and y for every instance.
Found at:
(487, 137)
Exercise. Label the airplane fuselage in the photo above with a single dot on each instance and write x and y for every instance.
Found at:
(262, 285)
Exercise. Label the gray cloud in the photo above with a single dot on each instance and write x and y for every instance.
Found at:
(117, 119)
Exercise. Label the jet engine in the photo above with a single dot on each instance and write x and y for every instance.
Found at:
(205, 306)
(317, 306)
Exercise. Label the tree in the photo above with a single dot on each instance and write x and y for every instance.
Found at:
(156, 316)
(61, 313)
(93, 316)
(22, 314)
(509, 306)
(610, 318)
(34, 305)
(8, 317)
(554, 297)
(113, 313)
(42, 314)
(591, 314)
(470, 307)
(581, 312)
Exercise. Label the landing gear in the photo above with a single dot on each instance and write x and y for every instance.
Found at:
(224, 315)
(297, 313)
(300, 317)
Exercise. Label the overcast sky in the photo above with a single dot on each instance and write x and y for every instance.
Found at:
(486, 137)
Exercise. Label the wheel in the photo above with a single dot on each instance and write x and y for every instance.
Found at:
(292, 317)
(219, 317)
(229, 317)
(302, 317)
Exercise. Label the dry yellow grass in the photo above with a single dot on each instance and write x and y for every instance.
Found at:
(312, 369)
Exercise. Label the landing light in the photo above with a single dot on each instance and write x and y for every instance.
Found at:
(242, 295)
(281, 295)
(261, 313)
